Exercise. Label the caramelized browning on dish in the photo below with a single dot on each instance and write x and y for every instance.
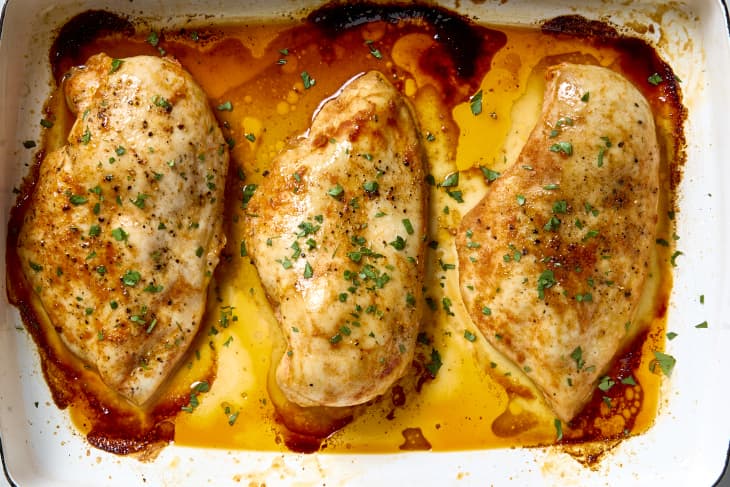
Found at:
(474, 107)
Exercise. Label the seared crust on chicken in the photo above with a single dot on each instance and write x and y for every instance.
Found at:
(554, 259)
(336, 233)
(123, 230)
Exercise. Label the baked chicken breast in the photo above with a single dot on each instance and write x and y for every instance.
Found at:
(553, 260)
(336, 233)
(123, 229)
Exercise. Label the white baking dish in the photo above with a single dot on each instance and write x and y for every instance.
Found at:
(686, 446)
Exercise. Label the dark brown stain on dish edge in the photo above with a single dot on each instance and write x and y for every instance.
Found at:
(80, 31)
(460, 37)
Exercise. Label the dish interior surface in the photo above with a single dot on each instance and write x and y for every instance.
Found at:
(242, 65)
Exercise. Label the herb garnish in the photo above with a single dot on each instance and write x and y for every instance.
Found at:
(577, 355)
(489, 175)
(546, 280)
(375, 52)
(664, 361)
(226, 106)
(435, 364)
(475, 103)
(336, 191)
(307, 80)
(131, 278)
(562, 147)
(450, 180)
(655, 79)
(558, 429)
(116, 64)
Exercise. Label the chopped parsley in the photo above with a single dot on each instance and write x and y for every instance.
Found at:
(655, 79)
(629, 381)
(119, 234)
(226, 106)
(546, 280)
(562, 147)
(456, 195)
(665, 362)
(370, 186)
(408, 226)
(77, 199)
(153, 39)
(375, 52)
(558, 429)
(446, 303)
(435, 364)
(577, 356)
(475, 103)
(336, 191)
(606, 383)
(489, 175)
(85, 137)
(307, 228)
(196, 388)
(139, 200)
(399, 243)
(162, 102)
(247, 191)
(152, 288)
(116, 64)
(307, 80)
(552, 224)
(450, 180)
(131, 278)
(560, 206)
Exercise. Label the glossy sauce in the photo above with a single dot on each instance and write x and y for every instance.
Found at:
(459, 394)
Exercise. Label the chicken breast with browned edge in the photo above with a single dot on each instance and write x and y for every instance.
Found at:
(554, 259)
(337, 236)
(124, 227)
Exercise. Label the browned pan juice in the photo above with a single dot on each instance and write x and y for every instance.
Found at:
(264, 81)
